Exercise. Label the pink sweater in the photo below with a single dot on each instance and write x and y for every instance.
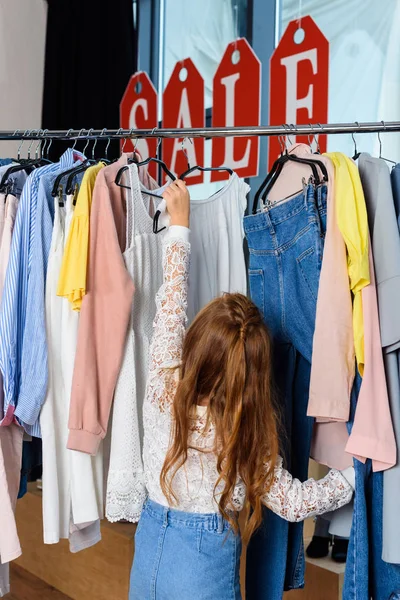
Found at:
(104, 315)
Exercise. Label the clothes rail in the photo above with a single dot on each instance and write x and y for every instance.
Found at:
(207, 132)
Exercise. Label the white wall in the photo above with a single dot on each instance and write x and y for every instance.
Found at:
(22, 46)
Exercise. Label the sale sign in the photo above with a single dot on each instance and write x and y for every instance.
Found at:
(236, 102)
(138, 110)
(183, 106)
(299, 80)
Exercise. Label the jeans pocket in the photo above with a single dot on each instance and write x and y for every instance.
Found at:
(256, 283)
(310, 268)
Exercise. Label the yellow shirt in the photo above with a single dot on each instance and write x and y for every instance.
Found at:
(352, 219)
(72, 281)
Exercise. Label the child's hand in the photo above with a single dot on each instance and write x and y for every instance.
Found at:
(177, 198)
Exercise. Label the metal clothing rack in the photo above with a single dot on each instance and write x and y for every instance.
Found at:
(206, 132)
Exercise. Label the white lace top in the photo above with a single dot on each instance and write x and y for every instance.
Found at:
(194, 483)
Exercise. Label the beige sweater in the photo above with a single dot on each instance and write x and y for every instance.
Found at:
(104, 315)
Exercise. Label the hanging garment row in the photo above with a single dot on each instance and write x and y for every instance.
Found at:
(80, 266)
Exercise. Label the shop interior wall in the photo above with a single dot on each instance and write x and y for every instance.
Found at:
(22, 46)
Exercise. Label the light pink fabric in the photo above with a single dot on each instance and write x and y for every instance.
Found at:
(328, 445)
(333, 358)
(104, 315)
(372, 434)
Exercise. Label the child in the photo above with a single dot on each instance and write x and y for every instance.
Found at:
(211, 442)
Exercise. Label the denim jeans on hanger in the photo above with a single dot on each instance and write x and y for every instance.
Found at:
(285, 247)
(367, 575)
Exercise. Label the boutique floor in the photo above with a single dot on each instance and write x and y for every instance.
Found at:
(28, 587)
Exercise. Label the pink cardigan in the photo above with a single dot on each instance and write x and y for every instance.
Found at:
(104, 316)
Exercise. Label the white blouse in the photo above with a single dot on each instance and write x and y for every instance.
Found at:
(194, 483)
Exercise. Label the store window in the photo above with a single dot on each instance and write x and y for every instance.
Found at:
(201, 30)
(364, 75)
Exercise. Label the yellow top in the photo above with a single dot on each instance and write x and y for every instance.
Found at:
(352, 219)
(72, 281)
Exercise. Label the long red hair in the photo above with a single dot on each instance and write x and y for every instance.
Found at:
(227, 361)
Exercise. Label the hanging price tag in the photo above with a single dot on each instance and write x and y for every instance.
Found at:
(299, 81)
(138, 110)
(236, 102)
(183, 106)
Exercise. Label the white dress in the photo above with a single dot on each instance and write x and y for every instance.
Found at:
(195, 482)
(72, 481)
(218, 266)
(125, 485)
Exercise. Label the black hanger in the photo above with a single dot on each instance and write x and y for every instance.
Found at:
(276, 170)
(204, 169)
(69, 188)
(25, 164)
(198, 167)
(356, 153)
(74, 170)
(277, 167)
(142, 164)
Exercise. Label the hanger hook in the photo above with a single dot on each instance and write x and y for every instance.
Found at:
(21, 144)
(16, 132)
(77, 138)
(136, 144)
(108, 143)
(294, 131)
(69, 133)
(379, 138)
(309, 138)
(118, 133)
(285, 137)
(125, 139)
(44, 144)
(280, 140)
(94, 146)
(184, 152)
(158, 147)
(316, 138)
(40, 133)
(354, 139)
(88, 139)
(33, 132)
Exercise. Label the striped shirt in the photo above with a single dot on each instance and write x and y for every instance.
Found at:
(23, 263)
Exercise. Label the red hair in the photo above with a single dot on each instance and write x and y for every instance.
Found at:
(227, 360)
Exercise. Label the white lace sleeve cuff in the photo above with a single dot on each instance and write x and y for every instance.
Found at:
(177, 232)
(350, 475)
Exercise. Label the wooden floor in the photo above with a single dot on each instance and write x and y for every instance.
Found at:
(25, 586)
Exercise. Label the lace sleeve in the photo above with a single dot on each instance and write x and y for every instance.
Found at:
(170, 320)
(295, 501)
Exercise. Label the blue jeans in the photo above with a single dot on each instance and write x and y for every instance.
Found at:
(286, 247)
(367, 575)
(184, 556)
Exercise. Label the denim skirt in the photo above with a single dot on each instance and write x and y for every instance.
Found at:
(184, 556)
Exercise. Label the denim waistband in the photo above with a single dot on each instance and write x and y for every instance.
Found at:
(310, 196)
(171, 516)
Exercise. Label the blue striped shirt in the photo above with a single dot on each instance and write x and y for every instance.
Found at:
(15, 307)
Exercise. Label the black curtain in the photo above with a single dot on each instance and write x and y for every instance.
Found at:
(91, 52)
